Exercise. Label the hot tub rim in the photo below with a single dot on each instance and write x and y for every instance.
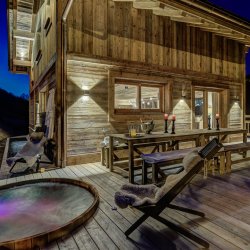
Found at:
(48, 236)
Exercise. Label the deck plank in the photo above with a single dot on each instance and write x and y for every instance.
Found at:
(162, 238)
(117, 236)
(224, 199)
(67, 243)
(83, 239)
(102, 240)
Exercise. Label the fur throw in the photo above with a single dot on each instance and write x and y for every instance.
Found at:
(136, 195)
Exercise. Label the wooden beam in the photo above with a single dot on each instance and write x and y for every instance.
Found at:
(187, 19)
(25, 35)
(234, 37)
(14, 4)
(196, 15)
(168, 12)
(208, 14)
(221, 31)
(28, 2)
(36, 6)
(14, 48)
(22, 63)
(146, 4)
(212, 28)
(24, 10)
(206, 25)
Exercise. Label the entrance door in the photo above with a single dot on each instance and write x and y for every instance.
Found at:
(207, 104)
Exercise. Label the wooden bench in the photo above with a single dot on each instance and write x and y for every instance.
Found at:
(157, 160)
(105, 153)
(122, 146)
(228, 150)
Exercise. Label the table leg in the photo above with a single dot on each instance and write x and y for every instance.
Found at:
(197, 142)
(245, 137)
(228, 161)
(131, 161)
(111, 149)
(222, 163)
(154, 173)
(202, 140)
(144, 172)
(163, 146)
(103, 156)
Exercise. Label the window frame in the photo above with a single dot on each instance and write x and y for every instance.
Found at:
(140, 84)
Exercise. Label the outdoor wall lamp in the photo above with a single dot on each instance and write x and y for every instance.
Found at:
(236, 99)
(86, 92)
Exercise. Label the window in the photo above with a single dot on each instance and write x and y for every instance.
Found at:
(138, 96)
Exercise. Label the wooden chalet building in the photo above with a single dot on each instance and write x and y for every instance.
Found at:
(115, 61)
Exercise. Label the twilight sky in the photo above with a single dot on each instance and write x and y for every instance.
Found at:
(19, 84)
(16, 84)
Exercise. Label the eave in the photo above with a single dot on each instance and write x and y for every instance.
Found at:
(199, 14)
(21, 17)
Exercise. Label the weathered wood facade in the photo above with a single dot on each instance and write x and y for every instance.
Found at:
(90, 45)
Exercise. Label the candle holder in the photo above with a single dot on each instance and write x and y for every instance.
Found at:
(166, 126)
(173, 127)
(209, 123)
(217, 124)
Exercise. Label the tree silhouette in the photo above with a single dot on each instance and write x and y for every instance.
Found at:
(14, 114)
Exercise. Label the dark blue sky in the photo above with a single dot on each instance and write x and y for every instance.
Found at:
(19, 84)
(14, 83)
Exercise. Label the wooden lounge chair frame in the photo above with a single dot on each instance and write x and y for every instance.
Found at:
(49, 147)
(154, 210)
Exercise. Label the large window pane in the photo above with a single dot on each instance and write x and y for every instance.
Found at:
(150, 98)
(126, 96)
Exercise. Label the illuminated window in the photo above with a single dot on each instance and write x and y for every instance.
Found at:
(138, 97)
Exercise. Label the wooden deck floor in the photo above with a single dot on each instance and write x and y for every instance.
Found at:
(225, 200)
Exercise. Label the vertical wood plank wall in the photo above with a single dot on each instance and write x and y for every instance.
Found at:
(43, 72)
(44, 42)
(124, 33)
(120, 34)
(86, 114)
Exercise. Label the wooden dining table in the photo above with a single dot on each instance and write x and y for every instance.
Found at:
(199, 136)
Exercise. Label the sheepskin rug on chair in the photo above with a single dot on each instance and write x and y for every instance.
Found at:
(137, 195)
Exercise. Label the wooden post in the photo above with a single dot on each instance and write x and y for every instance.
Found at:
(228, 161)
(222, 163)
(131, 161)
(103, 156)
(111, 151)
(63, 8)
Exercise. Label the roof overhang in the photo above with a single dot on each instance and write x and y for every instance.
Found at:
(21, 18)
(201, 14)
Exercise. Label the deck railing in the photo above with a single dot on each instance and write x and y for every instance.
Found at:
(247, 122)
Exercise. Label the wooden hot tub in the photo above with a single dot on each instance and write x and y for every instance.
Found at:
(35, 212)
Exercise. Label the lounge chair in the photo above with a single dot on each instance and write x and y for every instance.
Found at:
(31, 154)
(152, 200)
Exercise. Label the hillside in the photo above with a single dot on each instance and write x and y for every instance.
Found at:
(14, 115)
